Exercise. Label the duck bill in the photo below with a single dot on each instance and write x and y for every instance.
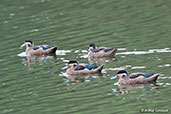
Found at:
(22, 45)
(66, 67)
(115, 77)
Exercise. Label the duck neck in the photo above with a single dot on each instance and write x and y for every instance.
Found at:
(28, 48)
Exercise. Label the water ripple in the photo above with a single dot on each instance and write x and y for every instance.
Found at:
(165, 50)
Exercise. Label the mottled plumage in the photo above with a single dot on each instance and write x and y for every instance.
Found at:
(38, 50)
(74, 68)
(101, 51)
(135, 78)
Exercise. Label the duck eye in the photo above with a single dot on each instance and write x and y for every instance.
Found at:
(91, 48)
(74, 65)
(29, 45)
(123, 76)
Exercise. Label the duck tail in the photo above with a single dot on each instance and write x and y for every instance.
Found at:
(113, 51)
(99, 69)
(54, 49)
(155, 77)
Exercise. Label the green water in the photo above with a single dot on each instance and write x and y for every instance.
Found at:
(38, 86)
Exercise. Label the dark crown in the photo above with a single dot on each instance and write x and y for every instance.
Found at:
(72, 61)
(29, 41)
(93, 45)
(122, 71)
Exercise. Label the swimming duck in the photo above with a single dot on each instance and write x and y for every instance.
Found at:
(74, 68)
(135, 78)
(101, 51)
(38, 50)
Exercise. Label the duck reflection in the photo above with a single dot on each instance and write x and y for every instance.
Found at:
(72, 80)
(102, 60)
(125, 89)
(30, 60)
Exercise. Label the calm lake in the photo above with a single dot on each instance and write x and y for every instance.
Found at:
(140, 29)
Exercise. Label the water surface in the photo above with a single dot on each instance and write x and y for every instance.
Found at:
(139, 29)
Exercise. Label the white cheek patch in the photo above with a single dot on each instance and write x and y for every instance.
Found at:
(90, 48)
(29, 43)
(124, 74)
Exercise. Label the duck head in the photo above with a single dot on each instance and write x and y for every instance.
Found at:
(120, 74)
(71, 64)
(92, 47)
(27, 43)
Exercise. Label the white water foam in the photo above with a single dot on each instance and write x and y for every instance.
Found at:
(165, 50)
(23, 54)
(138, 67)
(62, 52)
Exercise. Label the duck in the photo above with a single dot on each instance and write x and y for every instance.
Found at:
(38, 50)
(135, 78)
(95, 52)
(74, 68)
